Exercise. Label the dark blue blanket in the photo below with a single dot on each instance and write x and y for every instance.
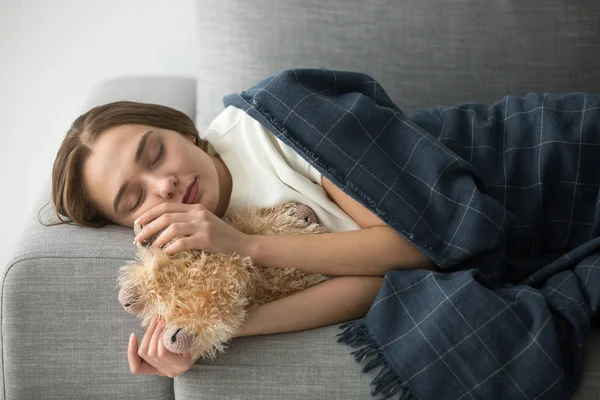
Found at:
(502, 197)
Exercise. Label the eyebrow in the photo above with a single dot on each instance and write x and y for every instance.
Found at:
(138, 155)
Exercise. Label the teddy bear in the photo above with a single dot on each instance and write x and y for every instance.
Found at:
(204, 297)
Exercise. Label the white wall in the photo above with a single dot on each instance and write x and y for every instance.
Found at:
(52, 52)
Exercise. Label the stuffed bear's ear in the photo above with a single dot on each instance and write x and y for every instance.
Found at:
(305, 213)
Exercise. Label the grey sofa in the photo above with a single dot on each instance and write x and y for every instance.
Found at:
(63, 333)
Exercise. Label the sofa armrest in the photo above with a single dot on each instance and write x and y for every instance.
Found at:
(63, 331)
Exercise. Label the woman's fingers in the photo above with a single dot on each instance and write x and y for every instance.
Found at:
(138, 365)
(143, 351)
(177, 246)
(164, 216)
(154, 218)
(160, 355)
(135, 362)
(178, 363)
(152, 227)
(153, 346)
(162, 208)
(161, 349)
(148, 348)
(153, 354)
(156, 226)
(174, 230)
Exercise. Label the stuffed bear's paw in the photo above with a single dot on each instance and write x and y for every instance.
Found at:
(129, 300)
(305, 213)
(177, 340)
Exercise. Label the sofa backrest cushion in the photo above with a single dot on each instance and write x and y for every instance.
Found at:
(424, 53)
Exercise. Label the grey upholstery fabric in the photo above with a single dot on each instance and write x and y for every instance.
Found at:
(294, 365)
(64, 332)
(422, 52)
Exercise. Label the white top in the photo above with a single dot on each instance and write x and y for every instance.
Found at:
(266, 172)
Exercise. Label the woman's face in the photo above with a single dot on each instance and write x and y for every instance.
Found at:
(135, 167)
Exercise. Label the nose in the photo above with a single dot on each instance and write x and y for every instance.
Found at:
(164, 186)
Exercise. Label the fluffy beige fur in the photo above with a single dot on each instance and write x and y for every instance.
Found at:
(204, 297)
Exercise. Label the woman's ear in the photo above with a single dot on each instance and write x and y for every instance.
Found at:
(192, 139)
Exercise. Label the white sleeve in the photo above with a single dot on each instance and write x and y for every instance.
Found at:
(295, 161)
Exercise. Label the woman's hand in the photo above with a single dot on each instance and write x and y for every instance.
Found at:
(200, 228)
(152, 358)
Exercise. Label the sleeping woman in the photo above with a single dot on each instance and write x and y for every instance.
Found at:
(126, 162)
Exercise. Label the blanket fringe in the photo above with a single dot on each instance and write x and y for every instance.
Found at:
(386, 384)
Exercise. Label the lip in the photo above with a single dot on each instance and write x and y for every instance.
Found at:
(191, 190)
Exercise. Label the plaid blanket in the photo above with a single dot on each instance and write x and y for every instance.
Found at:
(502, 197)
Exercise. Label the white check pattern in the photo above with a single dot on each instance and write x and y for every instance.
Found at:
(503, 196)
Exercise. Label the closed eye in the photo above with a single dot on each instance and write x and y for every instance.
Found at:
(137, 203)
(160, 153)
(158, 157)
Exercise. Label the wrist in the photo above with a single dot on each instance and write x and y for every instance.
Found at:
(251, 246)
(240, 332)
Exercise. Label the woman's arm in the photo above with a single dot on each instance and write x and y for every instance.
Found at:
(335, 300)
(370, 251)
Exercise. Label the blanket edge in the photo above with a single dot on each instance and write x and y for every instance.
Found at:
(387, 383)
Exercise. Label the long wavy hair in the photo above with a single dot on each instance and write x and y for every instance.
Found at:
(68, 195)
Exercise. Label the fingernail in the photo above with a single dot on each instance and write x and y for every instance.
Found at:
(131, 336)
(138, 220)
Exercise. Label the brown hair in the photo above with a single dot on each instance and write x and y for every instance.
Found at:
(68, 194)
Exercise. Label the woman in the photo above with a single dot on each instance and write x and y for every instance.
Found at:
(129, 162)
